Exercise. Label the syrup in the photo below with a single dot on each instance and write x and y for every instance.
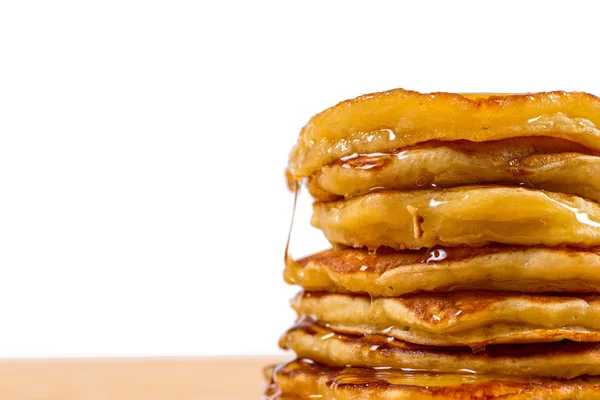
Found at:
(519, 162)
(354, 377)
(295, 186)
(407, 377)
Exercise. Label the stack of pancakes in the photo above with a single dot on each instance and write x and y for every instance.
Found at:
(466, 249)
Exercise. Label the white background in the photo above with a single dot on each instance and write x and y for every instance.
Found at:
(143, 209)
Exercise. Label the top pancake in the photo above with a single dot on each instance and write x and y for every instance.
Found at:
(398, 118)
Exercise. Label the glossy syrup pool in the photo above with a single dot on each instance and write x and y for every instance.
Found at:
(407, 377)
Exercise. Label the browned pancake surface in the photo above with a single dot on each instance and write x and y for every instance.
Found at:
(560, 360)
(305, 379)
(393, 273)
(395, 119)
(462, 318)
(544, 163)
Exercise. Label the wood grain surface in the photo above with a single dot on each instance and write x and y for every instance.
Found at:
(136, 379)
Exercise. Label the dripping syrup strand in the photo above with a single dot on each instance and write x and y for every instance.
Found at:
(287, 258)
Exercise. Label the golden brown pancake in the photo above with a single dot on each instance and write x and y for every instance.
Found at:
(559, 360)
(467, 318)
(395, 273)
(304, 379)
(469, 215)
(544, 163)
(382, 122)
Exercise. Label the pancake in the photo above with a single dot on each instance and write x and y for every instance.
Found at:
(558, 360)
(543, 163)
(382, 122)
(395, 273)
(304, 379)
(470, 215)
(468, 318)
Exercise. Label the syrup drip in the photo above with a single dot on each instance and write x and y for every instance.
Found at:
(580, 216)
(296, 189)
(272, 391)
(294, 185)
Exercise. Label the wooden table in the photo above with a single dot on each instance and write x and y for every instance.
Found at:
(136, 379)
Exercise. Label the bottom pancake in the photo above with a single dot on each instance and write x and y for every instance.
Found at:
(462, 318)
(559, 360)
(304, 379)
